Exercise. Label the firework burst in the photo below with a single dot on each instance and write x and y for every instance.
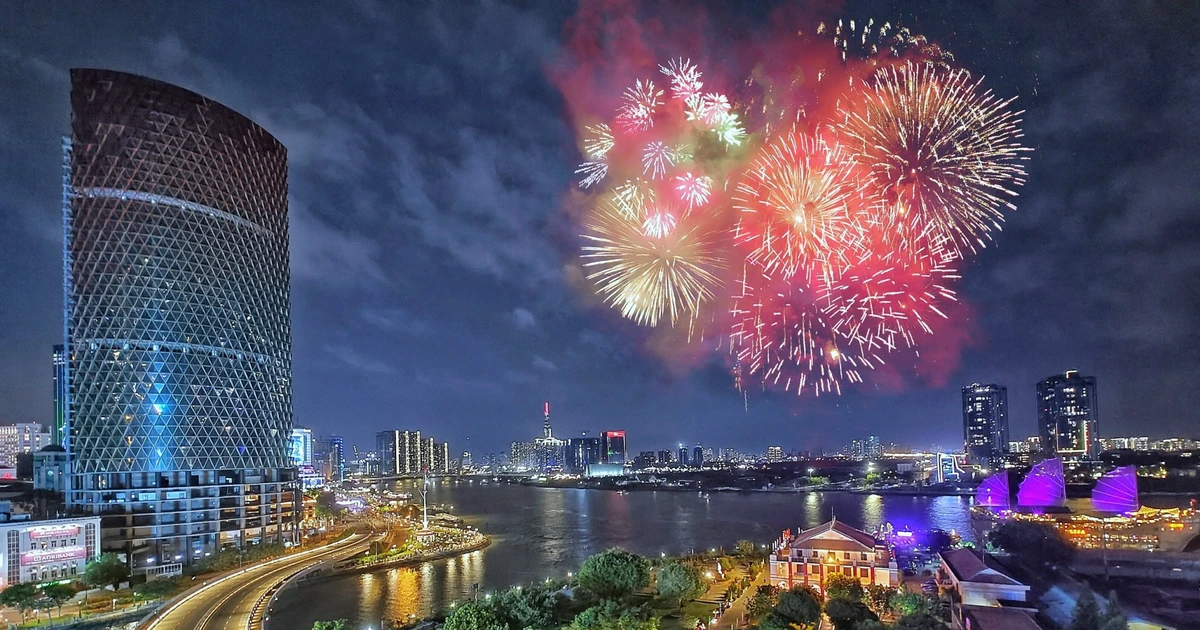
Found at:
(640, 103)
(938, 149)
(694, 189)
(793, 206)
(651, 275)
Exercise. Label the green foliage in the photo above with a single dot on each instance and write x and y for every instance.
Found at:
(611, 615)
(762, 603)
(336, 624)
(614, 573)
(910, 603)
(919, 621)
(1114, 616)
(1087, 612)
(870, 624)
(800, 606)
(527, 607)
(840, 586)
(23, 597)
(234, 557)
(847, 613)
(474, 616)
(873, 478)
(155, 589)
(57, 594)
(1033, 543)
(681, 581)
(878, 597)
(744, 548)
(105, 569)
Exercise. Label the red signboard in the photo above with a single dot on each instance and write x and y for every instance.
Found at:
(53, 531)
(42, 556)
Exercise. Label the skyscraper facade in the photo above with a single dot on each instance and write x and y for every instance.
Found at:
(1067, 415)
(985, 423)
(300, 447)
(583, 452)
(612, 447)
(178, 323)
(62, 393)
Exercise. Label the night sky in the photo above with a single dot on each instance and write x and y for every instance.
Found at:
(430, 156)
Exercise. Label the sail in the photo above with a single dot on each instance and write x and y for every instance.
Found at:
(1043, 486)
(1116, 491)
(993, 492)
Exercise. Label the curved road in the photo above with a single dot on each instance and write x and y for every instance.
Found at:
(227, 603)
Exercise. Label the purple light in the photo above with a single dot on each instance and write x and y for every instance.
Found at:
(993, 492)
(1044, 486)
(1116, 491)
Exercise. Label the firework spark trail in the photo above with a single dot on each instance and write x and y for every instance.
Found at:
(647, 275)
(600, 143)
(656, 159)
(685, 78)
(939, 147)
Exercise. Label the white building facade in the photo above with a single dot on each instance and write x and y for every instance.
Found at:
(45, 551)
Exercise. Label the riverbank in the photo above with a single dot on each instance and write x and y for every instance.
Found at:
(405, 561)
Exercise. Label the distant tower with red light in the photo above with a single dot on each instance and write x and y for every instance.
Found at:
(546, 432)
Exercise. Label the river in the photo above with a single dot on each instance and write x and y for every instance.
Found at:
(546, 532)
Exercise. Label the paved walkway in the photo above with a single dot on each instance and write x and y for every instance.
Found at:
(735, 616)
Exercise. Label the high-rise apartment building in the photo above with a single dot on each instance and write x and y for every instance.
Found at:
(698, 456)
(612, 447)
(582, 452)
(178, 321)
(985, 423)
(300, 447)
(774, 454)
(62, 393)
(1067, 415)
(22, 438)
(406, 453)
(329, 456)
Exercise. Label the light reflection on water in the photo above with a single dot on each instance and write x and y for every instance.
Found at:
(546, 532)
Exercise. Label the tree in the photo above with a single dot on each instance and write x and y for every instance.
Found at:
(919, 621)
(1114, 616)
(910, 603)
(680, 581)
(840, 586)
(527, 607)
(870, 624)
(774, 621)
(614, 573)
(762, 603)
(473, 616)
(23, 597)
(1032, 543)
(336, 624)
(878, 597)
(57, 595)
(105, 569)
(610, 615)
(744, 548)
(1087, 612)
(846, 613)
(800, 606)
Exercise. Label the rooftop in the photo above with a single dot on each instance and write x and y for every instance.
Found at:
(833, 534)
(995, 618)
(967, 566)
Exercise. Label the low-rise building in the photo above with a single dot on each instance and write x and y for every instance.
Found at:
(42, 551)
(983, 596)
(833, 547)
(51, 469)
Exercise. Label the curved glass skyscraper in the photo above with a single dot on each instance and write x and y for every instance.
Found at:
(178, 320)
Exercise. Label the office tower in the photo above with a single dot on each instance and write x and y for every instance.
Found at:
(337, 457)
(664, 457)
(390, 452)
(683, 455)
(21, 438)
(582, 452)
(62, 393)
(612, 447)
(774, 454)
(698, 456)
(1067, 415)
(178, 325)
(550, 453)
(985, 423)
(300, 447)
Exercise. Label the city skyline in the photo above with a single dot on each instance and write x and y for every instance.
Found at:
(407, 317)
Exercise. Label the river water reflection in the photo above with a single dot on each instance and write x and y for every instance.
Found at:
(546, 532)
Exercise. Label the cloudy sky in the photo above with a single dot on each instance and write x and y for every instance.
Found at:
(430, 158)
